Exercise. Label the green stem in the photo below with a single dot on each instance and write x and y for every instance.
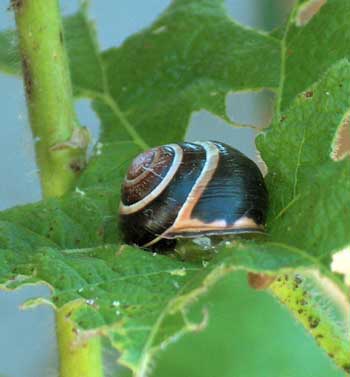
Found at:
(60, 142)
(77, 360)
(295, 293)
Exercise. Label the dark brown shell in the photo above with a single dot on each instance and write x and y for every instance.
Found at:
(190, 190)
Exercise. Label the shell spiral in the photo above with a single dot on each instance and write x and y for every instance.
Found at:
(189, 190)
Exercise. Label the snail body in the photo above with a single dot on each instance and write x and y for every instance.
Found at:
(191, 190)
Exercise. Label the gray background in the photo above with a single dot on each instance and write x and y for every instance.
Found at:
(27, 339)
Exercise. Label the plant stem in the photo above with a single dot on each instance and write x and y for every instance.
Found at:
(60, 142)
(307, 307)
(79, 360)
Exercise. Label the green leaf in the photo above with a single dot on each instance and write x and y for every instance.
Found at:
(84, 55)
(189, 59)
(310, 50)
(135, 298)
(9, 58)
(243, 322)
(144, 93)
(310, 193)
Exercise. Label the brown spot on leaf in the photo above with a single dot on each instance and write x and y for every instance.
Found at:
(69, 314)
(283, 118)
(313, 322)
(341, 145)
(309, 94)
(297, 281)
(259, 281)
(308, 11)
(346, 367)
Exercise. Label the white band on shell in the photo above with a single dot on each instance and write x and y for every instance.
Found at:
(132, 208)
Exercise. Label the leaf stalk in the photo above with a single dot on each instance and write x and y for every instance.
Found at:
(60, 142)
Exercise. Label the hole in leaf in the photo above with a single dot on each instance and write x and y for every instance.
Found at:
(261, 14)
(206, 126)
(69, 7)
(307, 11)
(128, 22)
(341, 264)
(341, 144)
(251, 108)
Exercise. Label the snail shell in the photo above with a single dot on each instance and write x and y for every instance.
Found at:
(191, 190)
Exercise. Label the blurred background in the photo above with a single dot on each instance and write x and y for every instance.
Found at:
(249, 334)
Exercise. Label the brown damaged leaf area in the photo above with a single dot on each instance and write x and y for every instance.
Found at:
(308, 11)
(341, 147)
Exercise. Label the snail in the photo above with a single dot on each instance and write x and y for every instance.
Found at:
(191, 190)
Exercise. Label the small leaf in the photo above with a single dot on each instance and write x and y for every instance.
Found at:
(9, 59)
(187, 60)
(84, 55)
